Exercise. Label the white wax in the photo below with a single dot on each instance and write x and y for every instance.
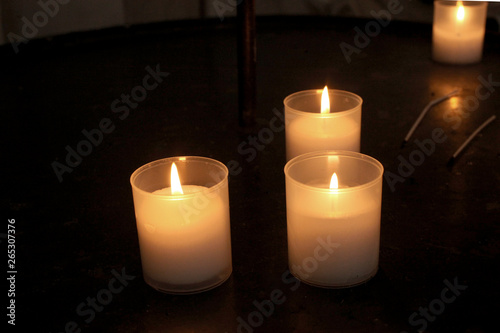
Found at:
(308, 134)
(184, 239)
(186, 189)
(352, 221)
(457, 47)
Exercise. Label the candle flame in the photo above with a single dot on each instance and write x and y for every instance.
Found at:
(460, 11)
(325, 101)
(334, 183)
(175, 182)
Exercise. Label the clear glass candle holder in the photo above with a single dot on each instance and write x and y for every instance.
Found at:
(184, 239)
(333, 233)
(458, 33)
(308, 130)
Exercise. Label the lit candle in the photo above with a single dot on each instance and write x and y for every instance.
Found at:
(183, 230)
(322, 120)
(333, 202)
(458, 31)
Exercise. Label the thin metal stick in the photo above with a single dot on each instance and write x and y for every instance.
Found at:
(424, 112)
(469, 139)
(247, 60)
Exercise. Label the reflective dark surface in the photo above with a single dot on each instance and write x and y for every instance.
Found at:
(74, 237)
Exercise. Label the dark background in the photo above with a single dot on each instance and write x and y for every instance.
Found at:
(440, 224)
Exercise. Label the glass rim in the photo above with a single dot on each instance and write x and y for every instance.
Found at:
(166, 160)
(340, 153)
(465, 3)
(331, 92)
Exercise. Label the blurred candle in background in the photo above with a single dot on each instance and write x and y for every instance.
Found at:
(458, 31)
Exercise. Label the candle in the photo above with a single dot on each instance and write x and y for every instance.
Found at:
(310, 127)
(183, 223)
(458, 31)
(333, 225)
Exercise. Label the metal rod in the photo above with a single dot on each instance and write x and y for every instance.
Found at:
(469, 139)
(203, 9)
(247, 59)
(424, 112)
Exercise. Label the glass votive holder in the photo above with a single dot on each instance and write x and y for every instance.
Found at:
(308, 130)
(458, 31)
(184, 239)
(333, 228)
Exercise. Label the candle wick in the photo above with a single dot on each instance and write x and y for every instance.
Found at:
(424, 112)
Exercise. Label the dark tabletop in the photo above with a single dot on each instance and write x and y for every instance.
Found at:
(439, 251)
